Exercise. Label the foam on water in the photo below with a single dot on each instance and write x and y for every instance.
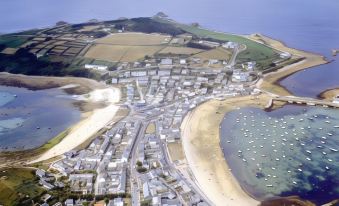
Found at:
(293, 150)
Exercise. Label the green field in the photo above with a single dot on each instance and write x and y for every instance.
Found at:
(12, 41)
(16, 184)
(260, 53)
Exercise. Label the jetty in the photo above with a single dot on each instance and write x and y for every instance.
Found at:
(302, 100)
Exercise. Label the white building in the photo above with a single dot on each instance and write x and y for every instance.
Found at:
(96, 67)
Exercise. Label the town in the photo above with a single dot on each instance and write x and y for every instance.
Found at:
(139, 160)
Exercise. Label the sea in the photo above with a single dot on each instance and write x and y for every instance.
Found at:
(310, 25)
(28, 119)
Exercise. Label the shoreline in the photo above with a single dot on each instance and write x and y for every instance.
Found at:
(201, 143)
(329, 94)
(93, 122)
(200, 130)
(270, 81)
(95, 100)
(79, 85)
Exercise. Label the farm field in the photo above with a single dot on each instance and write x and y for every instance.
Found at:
(134, 39)
(115, 53)
(180, 50)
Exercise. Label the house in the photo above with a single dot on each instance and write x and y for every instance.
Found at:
(146, 191)
(230, 45)
(285, 55)
(116, 202)
(240, 77)
(46, 184)
(209, 43)
(183, 61)
(213, 61)
(40, 173)
(166, 61)
(336, 100)
(69, 202)
(96, 67)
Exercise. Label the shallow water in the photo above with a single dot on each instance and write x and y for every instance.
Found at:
(33, 117)
(292, 150)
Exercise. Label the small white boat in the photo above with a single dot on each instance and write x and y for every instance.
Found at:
(333, 150)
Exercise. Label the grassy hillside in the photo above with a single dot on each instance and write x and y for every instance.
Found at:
(17, 185)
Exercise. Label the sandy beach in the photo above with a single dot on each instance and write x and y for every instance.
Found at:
(200, 137)
(90, 125)
(270, 81)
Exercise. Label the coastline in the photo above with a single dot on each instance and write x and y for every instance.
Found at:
(95, 100)
(200, 130)
(270, 82)
(78, 85)
(329, 94)
(92, 123)
(201, 143)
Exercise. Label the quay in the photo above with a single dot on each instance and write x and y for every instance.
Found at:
(302, 100)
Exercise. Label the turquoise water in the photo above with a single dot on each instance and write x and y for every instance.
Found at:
(292, 150)
(29, 119)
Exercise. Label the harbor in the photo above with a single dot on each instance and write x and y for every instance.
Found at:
(294, 143)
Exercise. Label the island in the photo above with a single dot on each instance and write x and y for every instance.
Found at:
(153, 93)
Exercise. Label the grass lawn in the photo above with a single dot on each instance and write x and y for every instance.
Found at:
(16, 183)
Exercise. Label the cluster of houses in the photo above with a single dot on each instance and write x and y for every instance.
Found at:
(101, 168)
(47, 180)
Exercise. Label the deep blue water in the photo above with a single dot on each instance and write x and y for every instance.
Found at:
(310, 25)
(21, 116)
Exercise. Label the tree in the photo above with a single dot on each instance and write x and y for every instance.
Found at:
(139, 164)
